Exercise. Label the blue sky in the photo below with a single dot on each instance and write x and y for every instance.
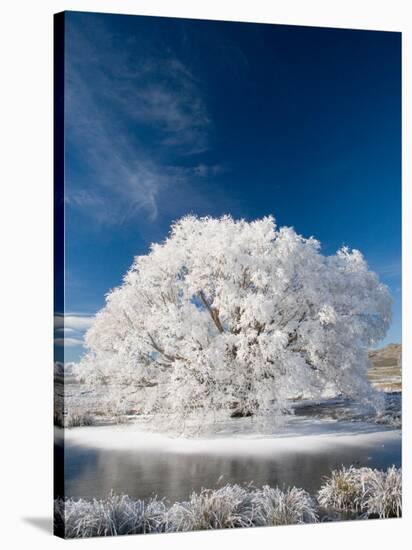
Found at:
(170, 116)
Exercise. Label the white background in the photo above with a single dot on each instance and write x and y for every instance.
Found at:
(26, 267)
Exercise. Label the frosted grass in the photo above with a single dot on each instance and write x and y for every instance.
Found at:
(363, 491)
(115, 515)
(228, 507)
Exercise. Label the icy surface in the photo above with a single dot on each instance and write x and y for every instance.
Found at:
(130, 460)
(133, 459)
(299, 434)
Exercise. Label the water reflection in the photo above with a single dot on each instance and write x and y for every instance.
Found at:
(94, 472)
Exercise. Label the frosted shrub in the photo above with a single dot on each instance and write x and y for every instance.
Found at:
(58, 418)
(363, 491)
(343, 490)
(228, 507)
(116, 515)
(276, 507)
(384, 497)
(59, 517)
(75, 419)
(231, 506)
(114, 405)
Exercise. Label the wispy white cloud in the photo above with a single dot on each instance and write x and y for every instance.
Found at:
(70, 342)
(163, 93)
(390, 269)
(200, 170)
(73, 324)
(116, 107)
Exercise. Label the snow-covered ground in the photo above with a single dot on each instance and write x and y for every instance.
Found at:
(298, 434)
(134, 459)
(144, 457)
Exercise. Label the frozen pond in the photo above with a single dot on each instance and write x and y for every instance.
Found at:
(129, 460)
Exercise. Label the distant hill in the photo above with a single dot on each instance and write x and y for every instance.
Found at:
(389, 356)
(386, 367)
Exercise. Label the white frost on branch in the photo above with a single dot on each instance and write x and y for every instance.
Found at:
(237, 316)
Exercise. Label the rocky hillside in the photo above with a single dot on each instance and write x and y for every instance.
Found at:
(385, 372)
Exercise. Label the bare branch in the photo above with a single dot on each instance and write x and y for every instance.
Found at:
(160, 350)
(214, 312)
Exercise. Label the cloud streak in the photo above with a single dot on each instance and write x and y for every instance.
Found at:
(72, 324)
(391, 269)
(116, 107)
(68, 342)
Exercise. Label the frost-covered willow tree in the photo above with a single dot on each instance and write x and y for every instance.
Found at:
(238, 316)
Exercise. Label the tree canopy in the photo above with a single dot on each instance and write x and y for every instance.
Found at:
(238, 316)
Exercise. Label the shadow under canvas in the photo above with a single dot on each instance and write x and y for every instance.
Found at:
(45, 524)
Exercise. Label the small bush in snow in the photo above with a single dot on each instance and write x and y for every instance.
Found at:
(342, 490)
(384, 498)
(234, 506)
(116, 515)
(276, 507)
(363, 491)
(76, 418)
(73, 419)
(228, 507)
(58, 419)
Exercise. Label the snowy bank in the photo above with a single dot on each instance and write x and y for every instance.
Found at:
(362, 491)
(237, 436)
